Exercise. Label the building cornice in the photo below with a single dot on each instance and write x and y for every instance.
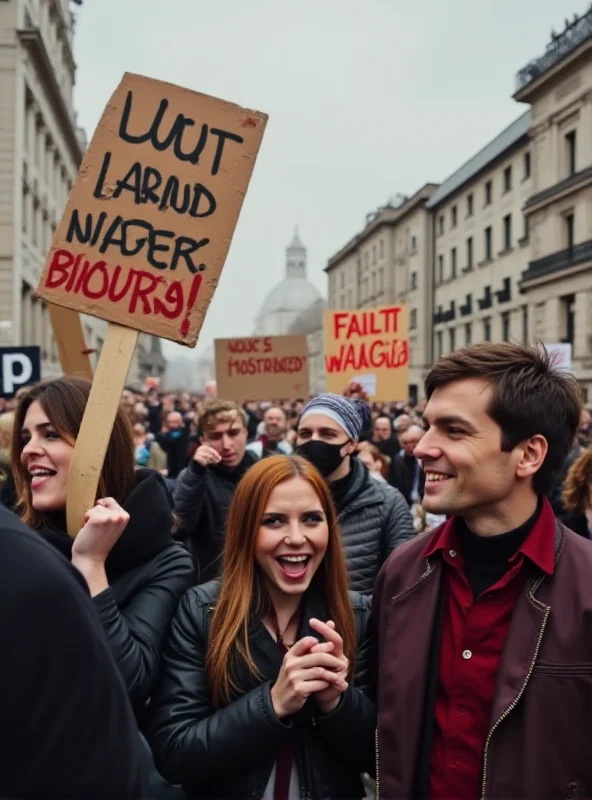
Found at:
(32, 39)
(387, 216)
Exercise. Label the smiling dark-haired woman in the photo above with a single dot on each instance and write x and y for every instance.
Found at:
(125, 550)
(263, 684)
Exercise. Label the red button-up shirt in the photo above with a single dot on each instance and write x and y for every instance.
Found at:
(473, 635)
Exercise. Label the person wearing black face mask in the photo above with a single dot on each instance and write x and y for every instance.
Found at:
(374, 517)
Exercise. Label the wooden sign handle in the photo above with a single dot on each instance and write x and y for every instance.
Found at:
(69, 336)
(97, 423)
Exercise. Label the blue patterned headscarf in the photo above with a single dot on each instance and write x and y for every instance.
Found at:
(352, 415)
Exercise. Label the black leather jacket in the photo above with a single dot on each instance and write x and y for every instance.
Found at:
(230, 752)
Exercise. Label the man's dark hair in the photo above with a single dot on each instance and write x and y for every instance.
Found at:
(530, 397)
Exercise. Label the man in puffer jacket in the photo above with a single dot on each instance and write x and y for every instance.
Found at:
(374, 517)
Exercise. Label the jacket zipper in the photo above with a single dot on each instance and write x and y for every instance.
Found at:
(516, 700)
(377, 768)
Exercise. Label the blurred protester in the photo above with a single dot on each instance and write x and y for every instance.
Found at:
(204, 490)
(154, 406)
(406, 473)
(147, 452)
(174, 441)
(251, 409)
(136, 573)
(556, 492)
(273, 440)
(383, 436)
(585, 428)
(373, 516)
(7, 487)
(377, 463)
(68, 727)
(262, 689)
(489, 615)
(577, 495)
(128, 402)
(401, 423)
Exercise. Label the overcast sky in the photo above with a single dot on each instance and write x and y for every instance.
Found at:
(366, 99)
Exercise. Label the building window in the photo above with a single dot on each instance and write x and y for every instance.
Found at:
(570, 145)
(439, 344)
(342, 279)
(454, 216)
(468, 333)
(366, 260)
(568, 312)
(470, 205)
(413, 244)
(507, 179)
(453, 263)
(470, 252)
(381, 280)
(488, 192)
(413, 281)
(525, 325)
(487, 329)
(526, 229)
(526, 165)
(350, 301)
(440, 269)
(374, 254)
(382, 248)
(413, 319)
(506, 326)
(507, 232)
(373, 284)
(441, 224)
(569, 231)
(488, 238)
(452, 339)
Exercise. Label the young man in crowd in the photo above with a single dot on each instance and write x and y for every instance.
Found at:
(174, 441)
(383, 436)
(204, 490)
(406, 473)
(273, 440)
(68, 729)
(482, 628)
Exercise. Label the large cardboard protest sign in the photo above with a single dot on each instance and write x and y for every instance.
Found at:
(369, 347)
(262, 368)
(150, 218)
(144, 237)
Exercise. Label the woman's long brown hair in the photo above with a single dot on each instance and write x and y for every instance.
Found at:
(576, 494)
(243, 595)
(64, 401)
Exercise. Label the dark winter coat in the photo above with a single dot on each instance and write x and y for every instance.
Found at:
(202, 500)
(176, 449)
(230, 752)
(67, 726)
(148, 573)
(375, 519)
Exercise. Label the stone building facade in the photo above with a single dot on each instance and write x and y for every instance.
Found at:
(41, 148)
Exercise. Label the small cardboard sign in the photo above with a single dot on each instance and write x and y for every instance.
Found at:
(19, 366)
(262, 368)
(151, 215)
(369, 347)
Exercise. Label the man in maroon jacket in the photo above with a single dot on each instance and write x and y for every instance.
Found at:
(484, 626)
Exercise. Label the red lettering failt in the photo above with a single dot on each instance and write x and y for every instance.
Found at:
(138, 292)
(351, 324)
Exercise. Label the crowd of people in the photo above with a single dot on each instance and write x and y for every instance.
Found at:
(315, 598)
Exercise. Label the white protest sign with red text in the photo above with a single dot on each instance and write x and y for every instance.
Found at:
(370, 347)
(262, 368)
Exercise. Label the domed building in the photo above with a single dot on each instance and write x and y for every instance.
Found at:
(287, 301)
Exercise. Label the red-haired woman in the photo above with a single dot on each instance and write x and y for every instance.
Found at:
(258, 696)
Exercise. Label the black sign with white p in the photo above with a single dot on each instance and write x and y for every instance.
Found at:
(19, 366)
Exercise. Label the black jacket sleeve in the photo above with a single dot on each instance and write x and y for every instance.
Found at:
(137, 632)
(189, 496)
(349, 730)
(68, 729)
(193, 743)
